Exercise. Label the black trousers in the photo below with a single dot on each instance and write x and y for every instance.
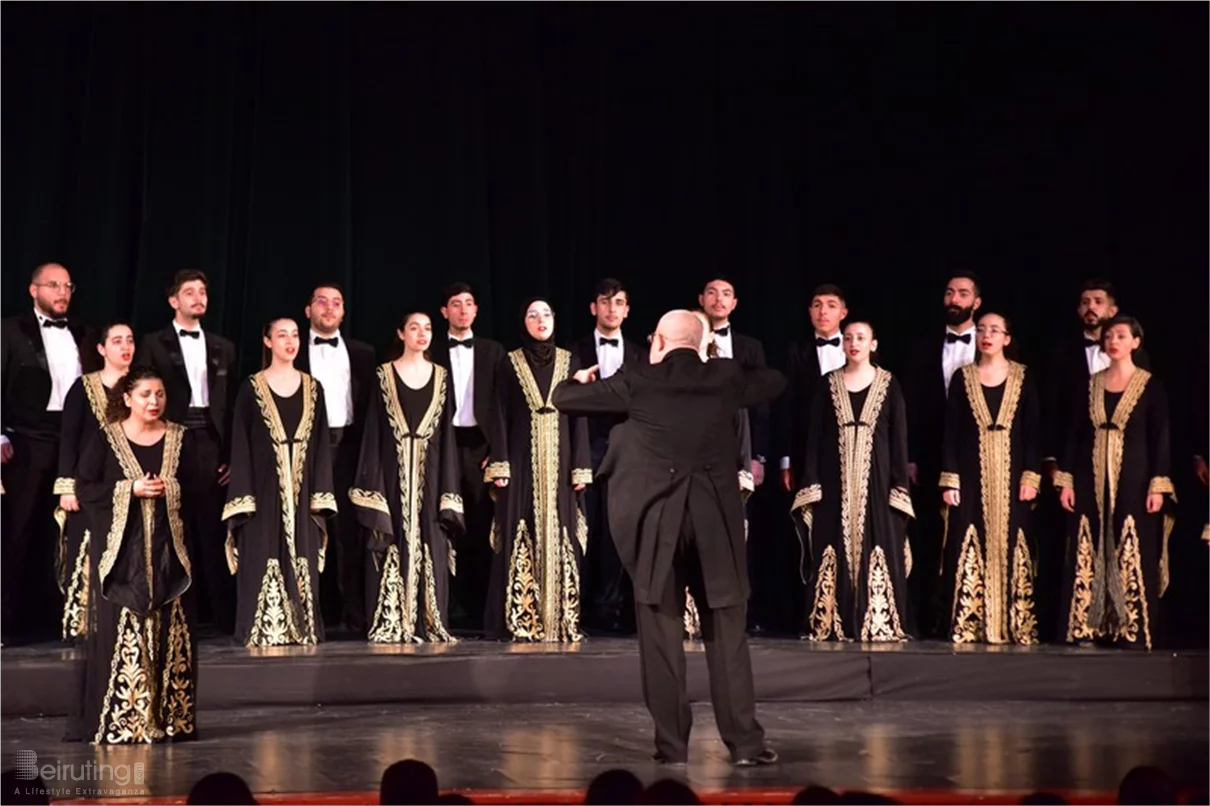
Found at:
(662, 658)
(926, 611)
(203, 512)
(31, 604)
(474, 548)
(342, 584)
(610, 594)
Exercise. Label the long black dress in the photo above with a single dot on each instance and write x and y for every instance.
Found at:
(990, 451)
(1117, 453)
(855, 507)
(84, 412)
(407, 498)
(540, 531)
(140, 682)
(278, 500)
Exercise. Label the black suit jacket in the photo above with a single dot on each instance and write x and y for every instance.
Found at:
(586, 350)
(362, 363)
(675, 458)
(25, 375)
(488, 355)
(750, 354)
(793, 409)
(1067, 381)
(161, 350)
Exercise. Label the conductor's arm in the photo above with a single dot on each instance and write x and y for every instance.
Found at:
(760, 386)
(609, 396)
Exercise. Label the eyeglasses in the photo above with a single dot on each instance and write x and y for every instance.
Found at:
(55, 285)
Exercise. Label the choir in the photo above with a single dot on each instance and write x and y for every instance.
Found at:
(450, 491)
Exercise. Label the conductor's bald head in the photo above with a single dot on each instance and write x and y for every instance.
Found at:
(676, 330)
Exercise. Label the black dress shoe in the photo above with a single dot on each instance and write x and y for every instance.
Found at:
(660, 758)
(763, 758)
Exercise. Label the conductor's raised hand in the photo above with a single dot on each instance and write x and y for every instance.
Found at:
(587, 375)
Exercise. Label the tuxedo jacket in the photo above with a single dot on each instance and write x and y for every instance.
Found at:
(25, 374)
(924, 393)
(792, 412)
(161, 350)
(362, 365)
(750, 354)
(1066, 383)
(585, 349)
(489, 354)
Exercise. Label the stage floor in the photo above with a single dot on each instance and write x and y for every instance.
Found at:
(38, 680)
(919, 752)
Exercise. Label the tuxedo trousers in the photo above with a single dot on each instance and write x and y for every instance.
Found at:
(32, 606)
(662, 660)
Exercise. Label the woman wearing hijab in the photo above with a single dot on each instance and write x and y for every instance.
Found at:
(539, 464)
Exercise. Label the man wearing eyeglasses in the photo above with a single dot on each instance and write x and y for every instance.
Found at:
(344, 368)
(43, 354)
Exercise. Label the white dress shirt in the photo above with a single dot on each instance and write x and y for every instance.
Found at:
(725, 350)
(330, 366)
(609, 356)
(462, 367)
(957, 355)
(830, 357)
(62, 360)
(1096, 357)
(193, 350)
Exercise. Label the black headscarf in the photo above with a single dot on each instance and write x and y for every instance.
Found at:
(538, 353)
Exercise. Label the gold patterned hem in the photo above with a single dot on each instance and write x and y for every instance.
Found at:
(367, 499)
(1162, 485)
(388, 625)
(570, 603)
(900, 500)
(177, 696)
(968, 625)
(1130, 567)
(451, 502)
(807, 496)
(881, 622)
(75, 601)
(950, 481)
(1031, 479)
(276, 619)
(1023, 622)
(323, 502)
(433, 624)
(1078, 628)
(521, 609)
(496, 470)
(243, 505)
(825, 622)
(123, 492)
(64, 486)
(581, 475)
(1064, 479)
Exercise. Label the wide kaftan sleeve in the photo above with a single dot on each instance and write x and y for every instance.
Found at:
(107, 500)
(1031, 433)
(241, 486)
(76, 417)
(452, 513)
(368, 495)
(497, 463)
(811, 491)
(581, 448)
(900, 499)
(955, 409)
(323, 489)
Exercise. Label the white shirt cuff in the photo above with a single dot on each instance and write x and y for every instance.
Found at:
(4, 440)
(785, 463)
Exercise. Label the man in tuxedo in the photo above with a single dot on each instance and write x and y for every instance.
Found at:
(472, 361)
(43, 354)
(932, 363)
(677, 520)
(198, 368)
(345, 369)
(608, 593)
(718, 299)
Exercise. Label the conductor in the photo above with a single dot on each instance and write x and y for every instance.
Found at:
(677, 519)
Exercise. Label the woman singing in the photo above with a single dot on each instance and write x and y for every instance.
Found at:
(539, 463)
(279, 497)
(855, 504)
(989, 480)
(139, 678)
(406, 493)
(1113, 481)
(85, 409)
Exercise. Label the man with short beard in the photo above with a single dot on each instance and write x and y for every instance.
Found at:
(43, 352)
(345, 369)
(926, 385)
(198, 368)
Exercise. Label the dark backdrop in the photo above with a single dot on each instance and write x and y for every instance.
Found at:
(535, 149)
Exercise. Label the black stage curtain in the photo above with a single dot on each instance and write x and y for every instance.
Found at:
(537, 148)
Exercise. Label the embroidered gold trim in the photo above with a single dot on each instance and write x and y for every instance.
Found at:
(496, 470)
(232, 552)
(241, 505)
(64, 486)
(1169, 523)
(452, 502)
(881, 622)
(825, 621)
(367, 499)
(388, 624)
(570, 622)
(1031, 479)
(950, 481)
(746, 482)
(1064, 479)
(807, 496)
(521, 609)
(275, 622)
(1078, 628)
(126, 710)
(302, 570)
(122, 495)
(968, 611)
(907, 557)
(692, 619)
(1130, 567)
(323, 502)
(75, 601)
(1162, 485)
(900, 500)
(1023, 623)
(581, 531)
(177, 695)
(98, 397)
(581, 475)
(1108, 444)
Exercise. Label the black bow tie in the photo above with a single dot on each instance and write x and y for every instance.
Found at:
(950, 338)
(1091, 342)
(464, 343)
(334, 341)
(193, 334)
(54, 323)
(834, 342)
(723, 331)
(601, 341)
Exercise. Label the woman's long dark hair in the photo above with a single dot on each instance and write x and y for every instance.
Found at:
(117, 410)
(395, 351)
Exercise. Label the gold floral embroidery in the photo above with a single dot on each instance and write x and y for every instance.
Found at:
(522, 606)
(432, 612)
(75, 603)
(452, 502)
(321, 502)
(1162, 485)
(581, 531)
(900, 500)
(64, 486)
(1031, 479)
(881, 622)
(1078, 628)
(289, 454)
(177, 693)
(825, 621)
(496, 470)
(1064, 479)
(950, 480)
(1024, 626)
(241, 505)
(1130, 567)
(969, 624)
(1108, 443)
(302, 571)
(367, 499)
(807, 496)
(122, 494)
(581, 475)
(571, 594)
(126, 713)
(275, 622)
(387, 626)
